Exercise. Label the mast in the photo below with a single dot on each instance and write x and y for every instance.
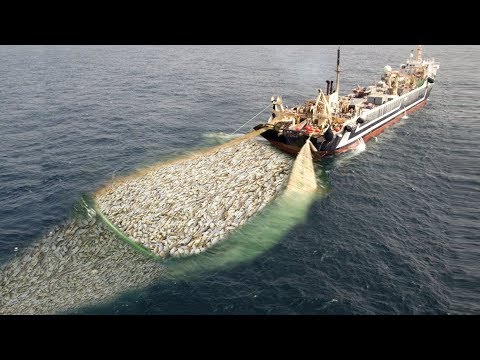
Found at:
(337, 85)
(418, 56)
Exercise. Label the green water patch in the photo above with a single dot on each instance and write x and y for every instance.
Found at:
(257, 236)
(247, 242)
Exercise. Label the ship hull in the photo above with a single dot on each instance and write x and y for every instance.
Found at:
(363, 134)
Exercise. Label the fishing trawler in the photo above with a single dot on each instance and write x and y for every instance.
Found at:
(336, 124)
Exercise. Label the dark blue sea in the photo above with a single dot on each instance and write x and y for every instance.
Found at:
(397, 232)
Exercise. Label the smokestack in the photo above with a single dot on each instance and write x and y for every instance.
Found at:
(331, 87)
(328, 87)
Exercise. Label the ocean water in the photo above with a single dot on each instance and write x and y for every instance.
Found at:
(396, 232)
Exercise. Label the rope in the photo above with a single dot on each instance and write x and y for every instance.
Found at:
(251, 119)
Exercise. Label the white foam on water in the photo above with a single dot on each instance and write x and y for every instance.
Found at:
(361, 147)
(217, 138)
(345, 158)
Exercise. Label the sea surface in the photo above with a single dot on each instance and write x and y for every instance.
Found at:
(397, 232)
